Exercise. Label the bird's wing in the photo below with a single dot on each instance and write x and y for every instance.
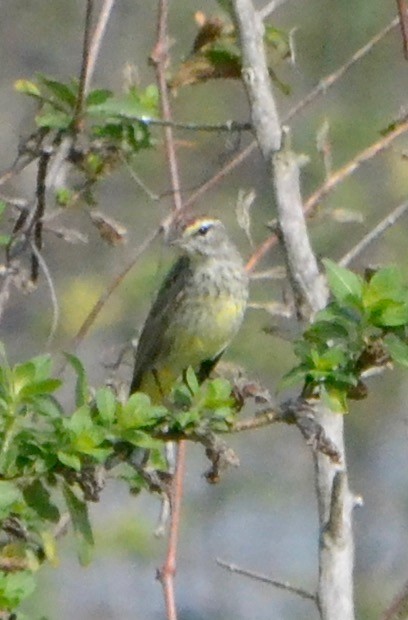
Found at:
(154, 337)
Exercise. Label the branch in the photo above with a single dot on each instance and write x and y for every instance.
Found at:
(390, 220)
(322, 87)
(345, 171)
(77, 120)
(112, 286)
(269, 8)
(403, 19)
(398, 609)
(166, 574)
(159, 58)
(331, 183)
(282, 585)
(255, 75)
(335, 589)
(96, 41)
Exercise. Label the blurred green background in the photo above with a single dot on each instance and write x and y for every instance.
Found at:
(263, 515)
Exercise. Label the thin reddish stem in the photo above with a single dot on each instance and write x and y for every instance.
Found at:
(167, 573)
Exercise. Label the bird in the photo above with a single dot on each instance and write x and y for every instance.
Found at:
(198, 309)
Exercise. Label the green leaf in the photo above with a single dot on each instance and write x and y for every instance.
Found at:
(136, 412)
(78, 511)
(61, 91)
(218, 393)
(63, 196)
(385, 284)
(27, 87)
(9, 494)
(47, 405)
(397, 348)
(82, 390)
(14, 588)
(99, 96)
(293, 377)
(38, 498)
(345, 285)
(79, 421)
(335, 399)
(40, 387)
(389, 314)
(106, 403)
(192, 381)
(69, 460)
(54, 119)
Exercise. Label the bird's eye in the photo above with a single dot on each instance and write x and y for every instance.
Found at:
(203, 230)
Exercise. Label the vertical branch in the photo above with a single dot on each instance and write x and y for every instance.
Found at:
(167, 573)
(84, 66)
(160, 59)
(37, 221)
(403, 17)
(95, 43)
(335, 589)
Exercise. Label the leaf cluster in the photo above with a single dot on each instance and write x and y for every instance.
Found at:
(112, 126)
(53, 463)
(364, 326)
(216, 51)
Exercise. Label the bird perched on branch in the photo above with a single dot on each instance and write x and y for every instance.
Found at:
(198, 309)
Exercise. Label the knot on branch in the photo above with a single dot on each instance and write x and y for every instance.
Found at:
(301, 413)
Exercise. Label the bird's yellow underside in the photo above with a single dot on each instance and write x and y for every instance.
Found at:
(216, 328)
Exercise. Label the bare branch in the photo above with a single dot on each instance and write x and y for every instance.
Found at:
(84, 66)
(329, 80)
(322, 87)
(167, 572)
(160, 58)
(54, 300)
(282, 585)
(269, 8)
(345, 171)
(256, 78)
(403, 19)
(398, 609)
(390, 220)
(112, 286)
(96, 40)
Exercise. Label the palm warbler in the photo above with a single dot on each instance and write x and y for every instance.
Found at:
(197, 311)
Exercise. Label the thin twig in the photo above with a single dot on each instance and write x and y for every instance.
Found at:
(403, 20)
(329, 80)
(322, 87)
(375, 233)
(228, 126)
(84, 66)
(112, 286)
(345, 171)
(282, 585)
(37, 220)
(167, 572)
(54, 299)
(269, 8)
(137, 179)
(398, 609)
(160, 60)
(96, 41)
(337, 177)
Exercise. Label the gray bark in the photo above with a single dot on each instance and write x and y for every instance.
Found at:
(335, 502)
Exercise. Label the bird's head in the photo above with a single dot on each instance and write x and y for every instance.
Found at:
(204, 236)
